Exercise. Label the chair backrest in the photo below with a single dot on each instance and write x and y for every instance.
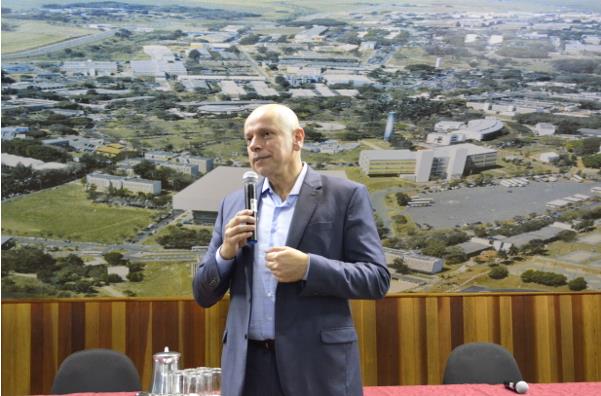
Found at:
(481, 363)
(96, 370)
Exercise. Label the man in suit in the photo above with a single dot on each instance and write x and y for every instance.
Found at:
(289, 329)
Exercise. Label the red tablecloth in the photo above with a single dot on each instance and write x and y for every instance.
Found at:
(559, 389)
(100, 394)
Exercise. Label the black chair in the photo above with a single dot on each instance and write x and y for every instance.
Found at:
(96, 370)
(481, 363)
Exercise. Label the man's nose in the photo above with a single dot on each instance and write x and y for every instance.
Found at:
(254, 144)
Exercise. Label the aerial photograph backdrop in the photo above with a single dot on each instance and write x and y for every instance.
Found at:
(475, 125)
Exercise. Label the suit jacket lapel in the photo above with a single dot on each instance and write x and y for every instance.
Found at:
(305, 206)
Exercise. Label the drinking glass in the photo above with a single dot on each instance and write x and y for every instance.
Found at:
(214, 389)
(190, 382)
(176, 381)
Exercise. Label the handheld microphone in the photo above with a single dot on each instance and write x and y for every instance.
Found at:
(520, 387)
(250, 197)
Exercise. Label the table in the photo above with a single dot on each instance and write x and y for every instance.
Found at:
(555, 389)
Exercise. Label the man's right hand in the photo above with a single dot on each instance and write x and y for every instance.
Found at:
(237, 231)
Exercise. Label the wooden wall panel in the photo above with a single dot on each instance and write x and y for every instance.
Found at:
(591, 336)
(545, 338)
(438, 335)
(214, 324)
(364, 314)
(387, 345)
(193, 335)
(403, 339)
(506, 322)
(565, 326)
(118, 332)
(456, 312)
(412, 347)
(16, 349)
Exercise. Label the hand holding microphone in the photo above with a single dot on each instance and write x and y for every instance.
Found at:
(240, 230)
(520, 387)
(236, 233)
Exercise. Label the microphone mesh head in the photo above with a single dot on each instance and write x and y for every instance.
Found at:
(250, 177)
(521, 387)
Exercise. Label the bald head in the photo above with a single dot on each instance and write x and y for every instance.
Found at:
(274, 140)
(282, 116)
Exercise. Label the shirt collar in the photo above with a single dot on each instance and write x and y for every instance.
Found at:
(297, 184)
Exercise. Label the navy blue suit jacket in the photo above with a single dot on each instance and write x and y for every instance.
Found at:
(315, 341)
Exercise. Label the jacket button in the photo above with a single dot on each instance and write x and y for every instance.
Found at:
(213, 282)
(246, 336)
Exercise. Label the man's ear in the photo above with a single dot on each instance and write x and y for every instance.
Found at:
(298, 138)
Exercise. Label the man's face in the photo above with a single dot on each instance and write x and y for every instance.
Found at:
(270, 148)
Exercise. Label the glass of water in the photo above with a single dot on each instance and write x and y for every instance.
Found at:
(215, 387)
(176, 381)
(201, 381)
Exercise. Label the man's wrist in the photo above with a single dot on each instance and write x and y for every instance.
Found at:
(225, 256)
(306, 274)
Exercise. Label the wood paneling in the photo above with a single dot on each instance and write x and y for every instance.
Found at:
(403, 339)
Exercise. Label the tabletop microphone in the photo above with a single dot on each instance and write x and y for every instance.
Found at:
(520, 387)
(250, 197)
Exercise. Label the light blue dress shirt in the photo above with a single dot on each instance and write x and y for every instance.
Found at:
(274, 218)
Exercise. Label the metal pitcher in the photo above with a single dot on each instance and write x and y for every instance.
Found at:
(164, 363)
